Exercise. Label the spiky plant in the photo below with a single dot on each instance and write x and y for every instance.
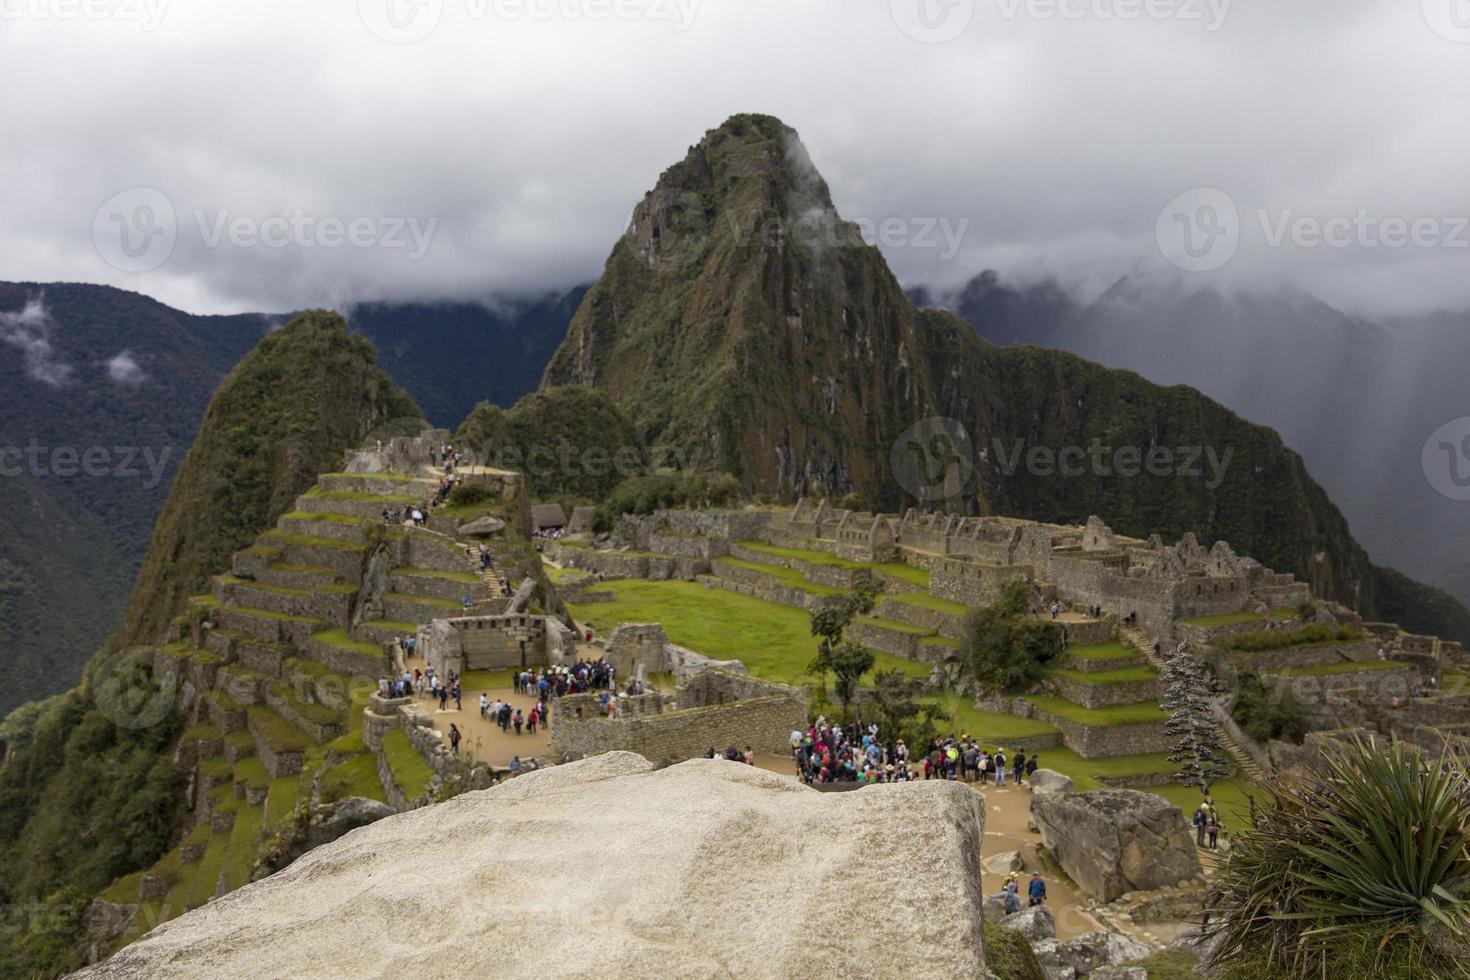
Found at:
(1364, 873)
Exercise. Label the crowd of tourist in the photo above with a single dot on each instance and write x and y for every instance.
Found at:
(830, 753)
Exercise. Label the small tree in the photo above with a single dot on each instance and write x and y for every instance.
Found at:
(895, 698)
(1005, 649)
(1198, 747)
(830, 623)
(850, 661)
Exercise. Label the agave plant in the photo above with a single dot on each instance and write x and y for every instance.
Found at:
(1363, 873)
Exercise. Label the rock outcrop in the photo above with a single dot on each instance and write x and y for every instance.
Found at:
(1113, 841)
(608, 867)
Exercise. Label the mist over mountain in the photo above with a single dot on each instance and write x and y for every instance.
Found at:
(1356, 397)
(742, 320)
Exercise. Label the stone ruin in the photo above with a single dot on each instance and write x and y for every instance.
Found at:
(712, 708)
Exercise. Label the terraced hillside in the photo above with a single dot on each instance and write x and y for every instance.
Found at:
(278, 659)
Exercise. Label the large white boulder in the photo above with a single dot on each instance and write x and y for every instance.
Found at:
(610, 868)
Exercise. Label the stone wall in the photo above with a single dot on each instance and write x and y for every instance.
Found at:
(763, 723)
(1104, 695)
(972, 584)
(638, 645)
(499, 642)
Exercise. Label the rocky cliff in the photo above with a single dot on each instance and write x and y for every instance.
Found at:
(609, 868)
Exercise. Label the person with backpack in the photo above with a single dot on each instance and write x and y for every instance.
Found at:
(1212, 827)
(999, 761)
(1020, 768)
(1036, 890)
(1199, 821)
(454, 737)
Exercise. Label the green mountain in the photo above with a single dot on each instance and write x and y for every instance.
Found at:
(75, 538)
(283, 415)
(92, 787)
(742, 321)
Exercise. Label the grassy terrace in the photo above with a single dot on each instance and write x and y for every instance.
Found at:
(396, 626)
(307, 541)
(339, 637)
(328, 517)
(773, 640)
(469, 578)
(1123, 714)
(892, 626)
(387, 499)
(926, 601)
(426, 600)
(786, 576)
(800, 554)
(1103, 651)
(278, 734)
(410, 772)
(1123, 675)
(1236, 618)
(1346, 667)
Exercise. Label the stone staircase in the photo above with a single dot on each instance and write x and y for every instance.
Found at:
(1245, 763)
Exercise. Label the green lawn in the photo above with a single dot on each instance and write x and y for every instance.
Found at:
(1123, 714)
(1223, 619)
(410, 771)
(1103, 651)
(338, 637)
(991, 727)
(773, 640)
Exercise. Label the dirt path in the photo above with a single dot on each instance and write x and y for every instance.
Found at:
(1007, 810)
(483, 739)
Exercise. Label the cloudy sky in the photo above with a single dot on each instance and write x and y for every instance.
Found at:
(227, 156)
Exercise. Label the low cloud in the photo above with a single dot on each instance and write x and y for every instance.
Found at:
(123, 368)
(29, 331)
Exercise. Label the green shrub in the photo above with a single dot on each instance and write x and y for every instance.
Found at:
(472, 492)
(1265, 716)
(1258, 640)
(1009, 956)
(1359, 871)
(1005, 649)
